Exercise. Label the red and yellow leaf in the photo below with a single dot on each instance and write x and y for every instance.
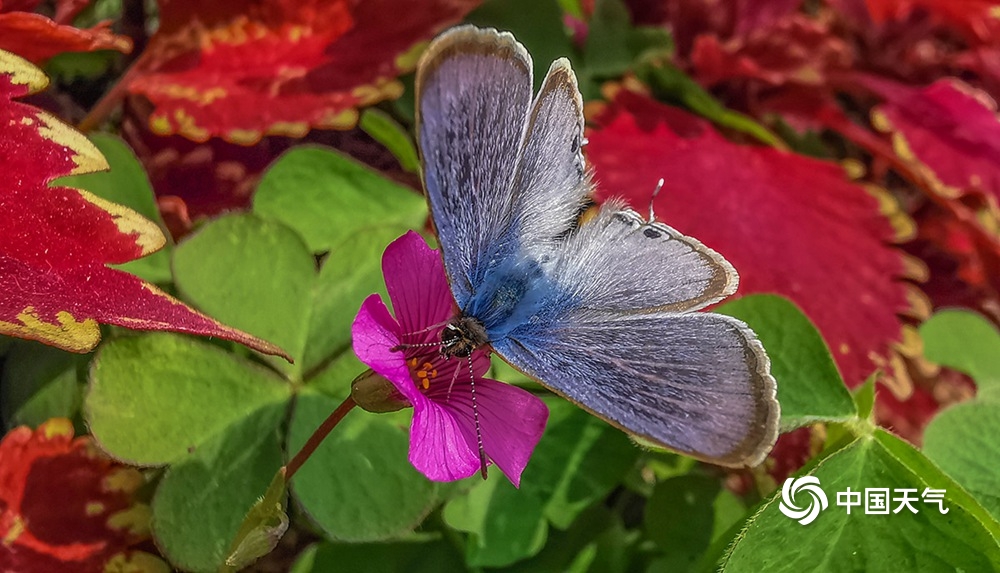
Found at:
(790, 224)
(947, 131)
(38, 38)
(65, 506)
(241, 70)
(56, 241)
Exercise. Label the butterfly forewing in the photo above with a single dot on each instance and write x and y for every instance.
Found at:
(473, 94)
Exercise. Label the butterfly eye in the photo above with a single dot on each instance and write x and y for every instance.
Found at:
(454, 342)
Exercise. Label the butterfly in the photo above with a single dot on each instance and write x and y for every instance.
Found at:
(597, 309)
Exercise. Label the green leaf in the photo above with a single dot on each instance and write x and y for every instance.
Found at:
(255, 275)
(126, 184)
(672, 85)
(606, 52)
(967, 342)
(328, 197)
(597, 541)
(504, 525)
(350, 273)
(962, 441)
(963, 539)
(864, 400)
(157, 398)
(202, 500)
(578, 461)
(358, 485)
(436, 556)
(262, 527)
(383, 129)
(708, 511)
(685, 540)
(39, 382)
(543, 33)
(810, 388)
(161, 398)
(74, 66)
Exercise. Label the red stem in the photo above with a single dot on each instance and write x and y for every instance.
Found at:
(317, 437)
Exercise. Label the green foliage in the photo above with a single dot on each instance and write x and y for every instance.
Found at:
(963, 539)
(39, 382)
(967, 342)
(809, 387)
(222, 420)
(576, 464)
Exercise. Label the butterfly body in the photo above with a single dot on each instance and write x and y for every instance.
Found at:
(598, 310)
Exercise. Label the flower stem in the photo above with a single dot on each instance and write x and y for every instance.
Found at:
(317, 437)
(110, 101)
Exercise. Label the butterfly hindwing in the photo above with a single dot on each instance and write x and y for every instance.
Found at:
(697, 383)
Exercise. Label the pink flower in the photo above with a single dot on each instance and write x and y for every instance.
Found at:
(443, 442)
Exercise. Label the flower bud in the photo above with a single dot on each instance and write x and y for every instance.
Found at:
(376, 394)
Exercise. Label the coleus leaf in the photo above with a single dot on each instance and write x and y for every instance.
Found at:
(795, 49)
(64, 506)
(38, 38)
(276, 67)
(55, 241)
(946, 130)
(789, 224)
(946, 140)
(975, 19)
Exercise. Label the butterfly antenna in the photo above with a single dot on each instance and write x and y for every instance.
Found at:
(659, 185)
(475, 418)
(404, 346)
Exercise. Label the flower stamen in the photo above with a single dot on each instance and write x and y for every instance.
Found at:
(425, 373)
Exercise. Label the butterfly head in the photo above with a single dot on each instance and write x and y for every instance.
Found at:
(462, 336)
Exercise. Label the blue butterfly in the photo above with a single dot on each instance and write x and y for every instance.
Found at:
(597, 310)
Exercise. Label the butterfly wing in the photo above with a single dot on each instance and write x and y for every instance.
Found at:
(614, 334)
(619, 262)
(473, 93)
(603, 324)
(486, 147)
(696, 383)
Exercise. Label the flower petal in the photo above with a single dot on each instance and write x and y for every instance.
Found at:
(511, 420)
(373, 333)
(442, 444)
(417, 286)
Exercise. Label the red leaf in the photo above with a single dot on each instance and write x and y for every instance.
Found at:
(37, 38)
(975, 19)
(64, 506)
(795, 49)
(946, 130)
(56, 241)
(789, 224)
(241, 70)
